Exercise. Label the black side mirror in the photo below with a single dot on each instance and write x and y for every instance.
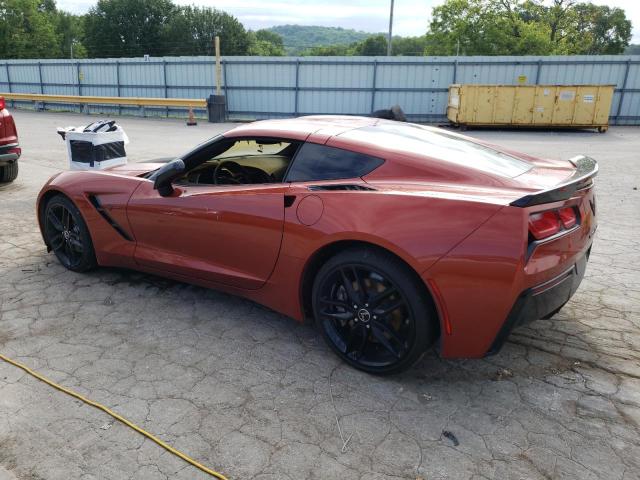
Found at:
(163, 177)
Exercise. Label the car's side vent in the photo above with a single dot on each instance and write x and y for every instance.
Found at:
(350, 187)
(103, 213)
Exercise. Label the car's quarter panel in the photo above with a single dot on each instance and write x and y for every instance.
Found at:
(482, 278)
(112, 248)
(478, 282)
(418, 229)
(225, 234)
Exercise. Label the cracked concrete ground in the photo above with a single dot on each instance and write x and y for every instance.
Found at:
(247, 391)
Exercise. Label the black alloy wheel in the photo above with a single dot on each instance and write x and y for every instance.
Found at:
(372, 311)
(67, 235)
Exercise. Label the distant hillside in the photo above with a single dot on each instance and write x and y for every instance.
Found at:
(300, 37)
(633, 49)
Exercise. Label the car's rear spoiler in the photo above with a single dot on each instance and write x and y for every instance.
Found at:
(586, 169)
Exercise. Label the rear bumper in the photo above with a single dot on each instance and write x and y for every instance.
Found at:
(541, 301)
(9, 154)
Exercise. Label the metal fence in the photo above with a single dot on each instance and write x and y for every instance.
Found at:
(268, 87)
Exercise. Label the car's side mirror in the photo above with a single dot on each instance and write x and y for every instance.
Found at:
(163, 177)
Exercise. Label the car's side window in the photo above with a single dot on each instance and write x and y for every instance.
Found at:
(319, 162)
(243, 161)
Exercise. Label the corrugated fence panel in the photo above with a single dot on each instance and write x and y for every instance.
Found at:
(4, 79)
(630, 108)
(340, 87)
(420, 87)
(98, 79)
(59, 79)
(189, 77)
(264, 87)
(497, 74)
(260, 89)
(25, 77)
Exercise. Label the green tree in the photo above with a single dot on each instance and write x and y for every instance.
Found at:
(26, 30)
(409, 46)
(372, 46)
(192, 30)
(600, 30)
(375, 45)
(70, 31)
(269, 36)
(116, 28)
(299, 38)
(526, 27)
(266, 43)
(329, 51)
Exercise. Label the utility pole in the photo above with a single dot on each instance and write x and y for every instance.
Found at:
(72, 49)
(218, 66)
(390, 30)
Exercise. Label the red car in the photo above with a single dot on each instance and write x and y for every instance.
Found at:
(392, 236)
(9, 147)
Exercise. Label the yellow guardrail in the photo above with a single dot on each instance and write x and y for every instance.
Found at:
(131, 101)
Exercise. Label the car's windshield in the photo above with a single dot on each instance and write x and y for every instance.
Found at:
(245, 148)
(429, 142)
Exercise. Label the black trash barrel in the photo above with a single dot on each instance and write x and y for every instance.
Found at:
(216, 108)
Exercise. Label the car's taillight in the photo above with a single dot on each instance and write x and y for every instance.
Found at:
(568, 217)
(545, 224)
(3, 103)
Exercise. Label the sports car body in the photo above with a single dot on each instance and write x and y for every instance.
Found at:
(392, 236)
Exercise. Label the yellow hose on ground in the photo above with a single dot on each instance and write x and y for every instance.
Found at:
(97, 405)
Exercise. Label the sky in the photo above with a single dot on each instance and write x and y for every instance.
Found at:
(411, 17)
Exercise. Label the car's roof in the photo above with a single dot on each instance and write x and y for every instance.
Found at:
(411, 151)
(301, 128)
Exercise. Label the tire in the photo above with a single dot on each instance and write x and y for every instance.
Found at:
(387, 329)
(8, 173)
(67, 234)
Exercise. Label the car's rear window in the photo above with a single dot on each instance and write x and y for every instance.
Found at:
(418, 140)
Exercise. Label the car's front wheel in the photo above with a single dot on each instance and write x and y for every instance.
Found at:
(67, 234)
(372, 310)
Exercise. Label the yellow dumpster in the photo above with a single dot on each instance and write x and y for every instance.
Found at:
(579, 106)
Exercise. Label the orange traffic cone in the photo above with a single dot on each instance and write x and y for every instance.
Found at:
(192, 118)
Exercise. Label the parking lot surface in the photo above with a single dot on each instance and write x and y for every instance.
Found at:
(257, 396)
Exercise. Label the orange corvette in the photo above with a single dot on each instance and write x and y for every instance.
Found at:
(393, 237)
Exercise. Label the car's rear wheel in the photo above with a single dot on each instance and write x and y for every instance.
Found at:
(9, 172)
(372, 310)
(67, 234)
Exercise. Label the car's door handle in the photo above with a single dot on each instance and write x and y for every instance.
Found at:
(289, 200)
